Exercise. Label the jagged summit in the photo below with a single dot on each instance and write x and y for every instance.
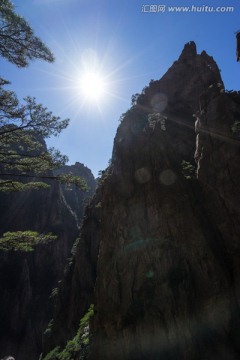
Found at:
(189, 56)
(181, 86)
(189, 51)
(176, 95)
(189, 77)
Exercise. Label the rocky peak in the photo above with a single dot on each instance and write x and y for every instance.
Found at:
(189, 51)
(192, 75)
(176, 96)
(167, 282)
(168, 270)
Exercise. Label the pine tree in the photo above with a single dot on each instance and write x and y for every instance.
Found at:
(23, 128)
(25, 161)
(18, 44)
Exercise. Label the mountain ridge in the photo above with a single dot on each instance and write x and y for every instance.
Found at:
(166, 248)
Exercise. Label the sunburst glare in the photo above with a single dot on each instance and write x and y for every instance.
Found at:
(92, 85)
(92, 79)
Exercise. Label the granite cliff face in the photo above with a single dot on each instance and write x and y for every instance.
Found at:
(27, 279)
(76, 291)
(167, 272)
(74, 199)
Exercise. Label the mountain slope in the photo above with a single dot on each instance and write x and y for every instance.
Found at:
(167, 278)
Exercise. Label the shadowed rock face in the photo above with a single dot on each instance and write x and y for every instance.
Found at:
(167, 279)
(76, 291)
(27, 280)
(168, 283)
(72, 197)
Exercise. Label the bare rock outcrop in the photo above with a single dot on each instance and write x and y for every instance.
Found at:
(167, 271)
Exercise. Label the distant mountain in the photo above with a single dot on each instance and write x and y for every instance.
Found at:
(73, 198)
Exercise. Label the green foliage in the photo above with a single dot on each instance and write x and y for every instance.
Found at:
(53, 355)
(236, 128)
(137, 99)
(18, 44)
(99, 205)
(23, 153)
(54, 293)
(25, 161)
(49, 327)
(22, 131)
(71, 179)
(188, 170)
(103, 175)
(155, 118)
(86, 318)
(29, 116)
(74, 247)
(11, 186)
(134, 99)
(23, 128)
(77, 347)
(23, 240)
(126, 114)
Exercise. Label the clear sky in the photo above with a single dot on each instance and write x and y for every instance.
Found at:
(127, 47)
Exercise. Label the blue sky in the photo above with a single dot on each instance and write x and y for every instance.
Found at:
(129, 47)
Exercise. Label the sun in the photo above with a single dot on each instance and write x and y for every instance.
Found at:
(93, 85)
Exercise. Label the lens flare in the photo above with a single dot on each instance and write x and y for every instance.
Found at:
(92, 85)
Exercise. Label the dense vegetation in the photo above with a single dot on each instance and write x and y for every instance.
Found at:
(77, 348)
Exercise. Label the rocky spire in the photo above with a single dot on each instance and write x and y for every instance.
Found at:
(189, 51)
(167, 283)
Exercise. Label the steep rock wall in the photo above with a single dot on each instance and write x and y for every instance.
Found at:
(76, 291)
(167, 279)
(27, 280)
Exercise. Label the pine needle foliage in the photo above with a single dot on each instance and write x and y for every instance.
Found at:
(23, 240)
